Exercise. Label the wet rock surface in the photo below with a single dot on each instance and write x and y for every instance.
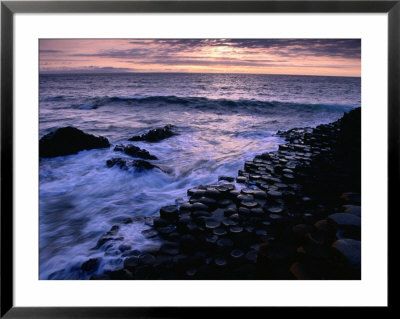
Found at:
(138, 165)
(134, 151)
(155, 135)
(294, 214)
(350, 250)
(69, 140)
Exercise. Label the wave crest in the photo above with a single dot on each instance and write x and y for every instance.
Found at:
(211, 104)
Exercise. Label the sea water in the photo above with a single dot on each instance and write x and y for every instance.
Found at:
(221, 120)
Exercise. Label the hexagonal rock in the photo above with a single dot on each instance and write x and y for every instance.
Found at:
(185, 207)
(234, 193)
(149, 233)
(241, 179)
(301, 230)
(219, 231)
(249, 204)
(131, 262)
(199, 206)
(236, 229)
(354, 198)
(243, 197)
(200, 213)
(224, 202)
(147, 259)
(170, 248)
(243, 211)
(91, 264)
(344, 219)
(160, 222)
(212, 192)
(274, 194)
(225, 188)
(252, 256)
(275, 209)
(306, 271)
(169, 212)
(220, 262)
(298, 270)
(212, 223)
(316, 238)
(196, 192)
(229, 222)
(224, 243)
(274, 216)
(259, 194)
(352, 209)
(350, 249)
(207, 201)
(321, 225)
(226, 178)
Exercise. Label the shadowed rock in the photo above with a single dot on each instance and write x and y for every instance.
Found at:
(345, 219)
(352, 209)
(134, 151)
(155, 135)
(138, 165)
(69, 140)
(91, 264)
(119, 162)
(350, 249)
(169, 212)
(141, 165)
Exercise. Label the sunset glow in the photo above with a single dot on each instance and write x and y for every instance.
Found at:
(334, 57)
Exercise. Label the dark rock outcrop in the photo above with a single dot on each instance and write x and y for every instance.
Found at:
(69, 140)
(91, 264)
(141, 165)
(119, 162)
(138, 165)
(350, 249)
(134, 151)
(155, 135)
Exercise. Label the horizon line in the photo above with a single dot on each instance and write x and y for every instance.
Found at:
(143, 72)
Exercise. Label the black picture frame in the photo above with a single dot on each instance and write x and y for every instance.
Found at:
(9, 8)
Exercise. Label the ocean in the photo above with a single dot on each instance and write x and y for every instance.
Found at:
(221, 120)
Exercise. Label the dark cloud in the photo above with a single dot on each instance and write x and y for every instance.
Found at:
(216, 62)
(342, 48)
(91, 69)
(62, 59)
(115, 53)
(345, 48)
(50, 51)
(199, 60)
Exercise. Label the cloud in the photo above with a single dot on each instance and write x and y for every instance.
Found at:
(113, 53)
(165, 60)
(343, 48)
(346, 48)
(195, 55)
(50, 51)
(89, 69)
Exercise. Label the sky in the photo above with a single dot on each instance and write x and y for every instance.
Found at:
(329, 57)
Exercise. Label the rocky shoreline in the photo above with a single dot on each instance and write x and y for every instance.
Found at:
(297, 217)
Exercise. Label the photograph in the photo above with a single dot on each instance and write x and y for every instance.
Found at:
(199, 159)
